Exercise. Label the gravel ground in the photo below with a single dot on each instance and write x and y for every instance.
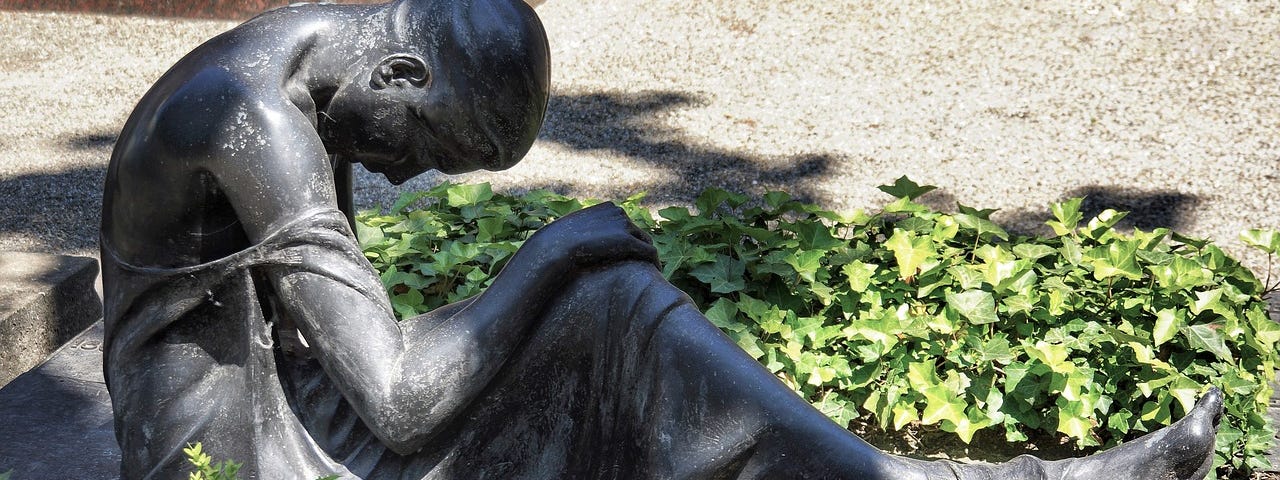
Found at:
(1169, 109)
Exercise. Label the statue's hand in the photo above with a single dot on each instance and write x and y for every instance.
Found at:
(595, 235)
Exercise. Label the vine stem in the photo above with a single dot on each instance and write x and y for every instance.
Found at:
(1269, 287)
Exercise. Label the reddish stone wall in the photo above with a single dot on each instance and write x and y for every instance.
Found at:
(224, 9)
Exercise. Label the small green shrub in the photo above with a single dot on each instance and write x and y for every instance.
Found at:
(205, 469)
(910, 316)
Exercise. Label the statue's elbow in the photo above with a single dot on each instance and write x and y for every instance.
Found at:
(396, 430)
(398, 437)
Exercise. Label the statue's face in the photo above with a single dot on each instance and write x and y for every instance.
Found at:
(460, 109)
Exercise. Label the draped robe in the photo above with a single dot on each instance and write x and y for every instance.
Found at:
(606, 385)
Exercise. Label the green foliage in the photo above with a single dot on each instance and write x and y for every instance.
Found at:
(205, 469)
(911, 316)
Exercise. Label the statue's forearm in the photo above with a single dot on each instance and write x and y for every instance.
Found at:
(435, 365)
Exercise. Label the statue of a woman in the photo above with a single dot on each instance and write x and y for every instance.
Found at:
(224, 241)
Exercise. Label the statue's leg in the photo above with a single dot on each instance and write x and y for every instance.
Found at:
(722, 412)
(1183, 450)
(624, 378)
(719, 403)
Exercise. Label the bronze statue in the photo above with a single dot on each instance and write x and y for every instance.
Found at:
(240, 312)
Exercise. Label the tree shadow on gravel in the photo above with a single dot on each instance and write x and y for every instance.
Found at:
(59, 212)
(56, 212)
(92, 141)
(1148, 209)
(632, 125)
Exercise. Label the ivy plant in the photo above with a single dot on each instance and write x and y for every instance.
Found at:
(909, 316)
(207, 469)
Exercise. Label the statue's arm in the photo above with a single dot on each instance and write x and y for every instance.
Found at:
(406, 384)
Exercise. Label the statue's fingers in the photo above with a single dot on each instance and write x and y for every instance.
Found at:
(638, 232)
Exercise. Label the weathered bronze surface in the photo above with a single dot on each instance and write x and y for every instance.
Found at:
(241, 313)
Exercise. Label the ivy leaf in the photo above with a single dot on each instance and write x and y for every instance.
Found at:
(984, 213)
(675, 214)
(814, 235)
(910, 251)
(995, 350)
(1116, 259)
(489, 228)
(1074, 426)
(1157, 410)
(903, 415)
(724, 314)
(711, 199)
(1168, 322)
(1019, 303)
(942, 404)
(1266, 331)
(969, 424)
(407, 198)
(1267, 240)
(806, 263)
(1055, 356)
(903, 187)
(408, 304)
(1181, 273)
(1033, 251)
(965, 276)
(859, 274)
(748, 342)
(673, 254)
(775, 199)
(978, 306)
(1104, 222)
(1067, 215)
(1205, 337)
(463, 195)
(922, 375)
(725, 274)
(368, 236)
(981, 225)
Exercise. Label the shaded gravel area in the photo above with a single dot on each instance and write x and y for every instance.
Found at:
(1169, 109)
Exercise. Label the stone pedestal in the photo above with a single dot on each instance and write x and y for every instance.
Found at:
(45, 300)
(55, 420)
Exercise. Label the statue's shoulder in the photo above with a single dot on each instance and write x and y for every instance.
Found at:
(205, 109)
(222, 105)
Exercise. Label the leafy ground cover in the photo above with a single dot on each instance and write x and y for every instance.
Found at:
(911, 319)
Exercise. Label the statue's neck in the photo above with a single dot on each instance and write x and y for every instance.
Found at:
(331, 42)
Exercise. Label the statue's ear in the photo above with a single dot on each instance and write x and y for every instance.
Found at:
(400, 70)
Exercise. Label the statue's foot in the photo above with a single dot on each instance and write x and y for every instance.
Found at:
(1182, 451)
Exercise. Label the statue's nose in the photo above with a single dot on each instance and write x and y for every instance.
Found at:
(508, 139)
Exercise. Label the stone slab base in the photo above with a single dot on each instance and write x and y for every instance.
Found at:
(55, 420)
(44, 301)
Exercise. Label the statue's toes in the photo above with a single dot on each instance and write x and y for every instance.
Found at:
(1207, 413)
(1212, 401)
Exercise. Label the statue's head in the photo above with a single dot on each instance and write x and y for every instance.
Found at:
(463, 86)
